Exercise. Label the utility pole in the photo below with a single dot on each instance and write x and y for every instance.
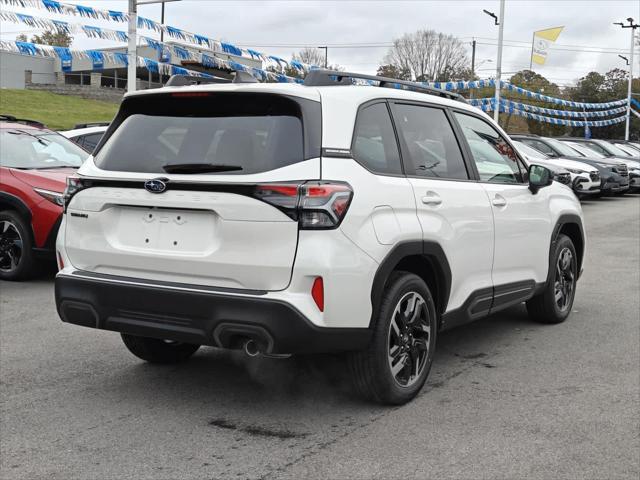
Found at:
(496, 113)
(132, 56)
(326, 56)
(473, 64)
(633, 27)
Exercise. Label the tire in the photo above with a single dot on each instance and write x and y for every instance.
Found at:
(546, 307)
(371, 369)
(17, 259)
(158, 351)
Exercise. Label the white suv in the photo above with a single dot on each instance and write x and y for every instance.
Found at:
(325, 217)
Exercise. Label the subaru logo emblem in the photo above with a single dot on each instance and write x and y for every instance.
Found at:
(155, 186)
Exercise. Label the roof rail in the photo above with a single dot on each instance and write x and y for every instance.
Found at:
(11, 118)
(321, 78)
(188, 80)
(91, 124)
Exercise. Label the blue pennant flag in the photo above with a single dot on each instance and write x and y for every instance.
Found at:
(64, 54)
(86, 11)
(181, 53)
(122, 58)
(117, 16)
(61, 26)
(231, 49)
(52, 6)
(151, 65)
(97, 58)
(27, 48)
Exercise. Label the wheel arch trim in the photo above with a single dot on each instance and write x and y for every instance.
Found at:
(430, 251)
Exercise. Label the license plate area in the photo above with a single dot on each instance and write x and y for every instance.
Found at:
(164, 231)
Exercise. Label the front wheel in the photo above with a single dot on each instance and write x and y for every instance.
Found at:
(395, 366)
(158, 351)
(17, 260)
(554, 304)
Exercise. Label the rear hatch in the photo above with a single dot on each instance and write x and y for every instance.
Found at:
(197, 188)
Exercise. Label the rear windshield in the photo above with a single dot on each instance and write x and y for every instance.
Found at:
(237, 133)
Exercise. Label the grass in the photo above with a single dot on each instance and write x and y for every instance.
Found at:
(58, 112)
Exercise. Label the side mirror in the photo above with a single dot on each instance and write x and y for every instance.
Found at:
(539, 177)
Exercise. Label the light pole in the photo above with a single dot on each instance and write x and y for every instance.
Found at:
(500, 22)
(132, 54)
(633, 27)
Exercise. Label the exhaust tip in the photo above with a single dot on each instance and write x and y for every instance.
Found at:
(251, 348)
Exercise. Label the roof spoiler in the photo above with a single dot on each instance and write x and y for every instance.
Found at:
(325, 78)
(189, 80)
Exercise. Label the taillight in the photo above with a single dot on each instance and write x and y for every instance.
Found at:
(315, 205)
(317, 293)
(60, 261)
(74, 185)
(324, 205)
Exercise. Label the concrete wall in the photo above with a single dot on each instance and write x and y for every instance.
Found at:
(13, 67)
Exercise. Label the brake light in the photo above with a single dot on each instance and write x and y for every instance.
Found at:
(317, 293)
(315, 205)
(60, 261)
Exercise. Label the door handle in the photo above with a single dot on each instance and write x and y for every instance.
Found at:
(432, 198)
(499, 201)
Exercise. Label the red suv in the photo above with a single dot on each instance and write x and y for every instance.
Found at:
(34, 165)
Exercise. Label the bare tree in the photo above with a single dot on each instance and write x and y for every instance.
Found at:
(310, 56)
(429, 56)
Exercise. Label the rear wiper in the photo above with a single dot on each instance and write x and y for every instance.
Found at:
(200, 168)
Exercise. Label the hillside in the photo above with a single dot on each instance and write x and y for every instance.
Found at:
(59, 112)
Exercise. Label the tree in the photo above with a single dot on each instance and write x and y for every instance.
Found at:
(392, 71)
(58, 38)
(428, 56)
(535, 82)
(310, 56)
(21, 38)
(597, 88)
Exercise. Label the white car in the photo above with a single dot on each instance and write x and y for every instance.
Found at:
(584, 179)
(87, 135)
(324, 217)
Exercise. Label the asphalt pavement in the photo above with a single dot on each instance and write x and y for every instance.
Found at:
(507, 398)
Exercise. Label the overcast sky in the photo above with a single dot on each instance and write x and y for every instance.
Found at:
(281, 27)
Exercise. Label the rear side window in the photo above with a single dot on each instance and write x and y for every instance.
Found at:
(249, 133)
(432, 149)
(374, 141)
(90, 141)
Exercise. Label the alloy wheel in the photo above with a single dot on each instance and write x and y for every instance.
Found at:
(565, 279)
(408, 339)
(10, 246)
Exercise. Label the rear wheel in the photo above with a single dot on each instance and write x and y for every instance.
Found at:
(554, 304)
(17, 260)
(154, 350)
(395, 366)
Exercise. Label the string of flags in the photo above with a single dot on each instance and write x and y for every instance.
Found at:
(504, 85)
(504, 108)
(194, 39)
(511, 105)
(66, 55)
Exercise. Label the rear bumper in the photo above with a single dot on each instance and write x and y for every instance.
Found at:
(217, 319)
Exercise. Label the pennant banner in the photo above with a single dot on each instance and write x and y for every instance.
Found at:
(453, 86)
(511, 105)
(143, 23)
(209, 61)
(489, 107)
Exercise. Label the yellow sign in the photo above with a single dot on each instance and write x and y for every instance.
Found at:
(542, 40)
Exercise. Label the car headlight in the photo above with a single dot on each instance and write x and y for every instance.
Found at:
(575, 170)
(53, 197)
(604, 165)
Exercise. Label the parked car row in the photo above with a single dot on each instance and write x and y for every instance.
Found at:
(597, 167)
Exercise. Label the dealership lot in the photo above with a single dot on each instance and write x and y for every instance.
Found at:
(507, 398)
